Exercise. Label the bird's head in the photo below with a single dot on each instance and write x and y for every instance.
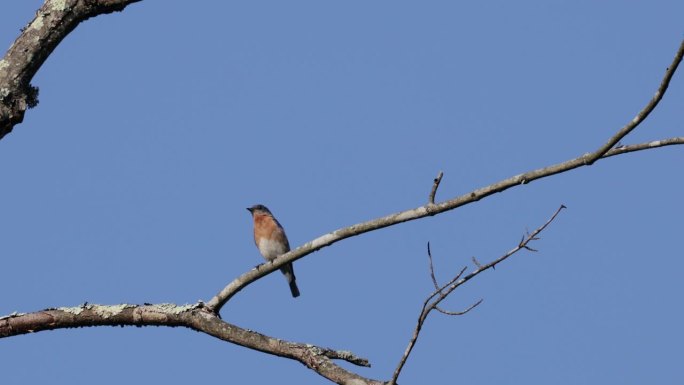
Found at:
(259, 209)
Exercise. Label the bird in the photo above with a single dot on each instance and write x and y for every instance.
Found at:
(270, 239)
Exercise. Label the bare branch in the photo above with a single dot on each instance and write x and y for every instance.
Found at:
(53, 22)
(462, 312)
(435, 186)
(431, 209)
(195, 317)
(644, 146)
(346, 356)
(57, 18)
(247, 278)
(643, 114)
(439, 291)
(412, 342)
(444, 291)
(432, 269)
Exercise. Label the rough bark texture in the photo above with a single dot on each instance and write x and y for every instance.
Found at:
(52, 23)
(196, 317)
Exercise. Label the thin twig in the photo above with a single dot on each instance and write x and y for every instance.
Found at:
(432, 269)
(439, 291)
(462, 312)
(443, 292)
(435, 186)
(522, 245)
(644, 146)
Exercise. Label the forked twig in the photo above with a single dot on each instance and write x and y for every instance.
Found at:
(643, 114)
(441, 292)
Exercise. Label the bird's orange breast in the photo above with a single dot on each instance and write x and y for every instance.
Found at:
(264, 226)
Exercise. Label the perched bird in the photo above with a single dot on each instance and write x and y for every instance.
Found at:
(271, 241)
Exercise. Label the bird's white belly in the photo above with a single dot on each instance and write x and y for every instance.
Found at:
(271, 249)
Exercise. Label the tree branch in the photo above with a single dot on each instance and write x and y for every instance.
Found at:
(57, 18)
(194, 317)
(432, 268)
(643, 114)
(435, 186)
(52, 23)
(433, 300)
(644, 146)
(220, 299)
(247, 278)
(462, 312)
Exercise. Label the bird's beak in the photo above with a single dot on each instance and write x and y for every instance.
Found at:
(249, 209)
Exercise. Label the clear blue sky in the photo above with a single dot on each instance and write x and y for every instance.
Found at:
(157, 126)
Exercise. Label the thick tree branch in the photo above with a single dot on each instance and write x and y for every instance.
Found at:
(195, 317)
(53, 22)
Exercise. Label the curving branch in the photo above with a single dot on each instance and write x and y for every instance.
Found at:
(52, 23)
(220, 299)
(643, 114)
(435, 186)
(194, 317)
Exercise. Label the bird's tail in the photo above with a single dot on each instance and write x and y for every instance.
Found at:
(293, 289)
(288, 271)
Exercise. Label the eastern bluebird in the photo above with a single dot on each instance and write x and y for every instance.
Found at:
(271, 241)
